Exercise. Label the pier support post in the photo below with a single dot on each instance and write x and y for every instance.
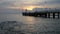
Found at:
(35, 14)
(48, 15)
(53, 15)
(58, 15)
(45, 15)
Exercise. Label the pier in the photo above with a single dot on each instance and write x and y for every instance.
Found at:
(45, 14)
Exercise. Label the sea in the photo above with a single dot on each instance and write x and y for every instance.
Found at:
(19, 24)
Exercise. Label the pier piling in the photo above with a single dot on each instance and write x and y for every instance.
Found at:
(45, 15)
(53, 15)
(42, 14)
(48, 15)
(58, 15)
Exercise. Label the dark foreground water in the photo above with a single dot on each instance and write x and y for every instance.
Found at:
(18, 24)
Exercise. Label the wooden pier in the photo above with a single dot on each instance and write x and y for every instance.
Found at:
(45, 14)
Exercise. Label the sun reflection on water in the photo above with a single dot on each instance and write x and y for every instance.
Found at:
(29, 20)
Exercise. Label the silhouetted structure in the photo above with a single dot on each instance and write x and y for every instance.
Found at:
(45, 14)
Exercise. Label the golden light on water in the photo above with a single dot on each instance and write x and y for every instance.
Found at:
(29, 20)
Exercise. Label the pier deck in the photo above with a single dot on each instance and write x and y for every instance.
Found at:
(45, 14)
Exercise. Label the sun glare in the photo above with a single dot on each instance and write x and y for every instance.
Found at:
(29, 7)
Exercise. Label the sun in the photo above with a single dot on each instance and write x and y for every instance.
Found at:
(32, 7)
(29, 7)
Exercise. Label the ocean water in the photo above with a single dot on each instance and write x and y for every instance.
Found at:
(19, 24)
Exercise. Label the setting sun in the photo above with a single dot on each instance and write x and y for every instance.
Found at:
(29, 7)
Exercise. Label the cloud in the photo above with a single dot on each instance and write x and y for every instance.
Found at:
(24, 3)
(5, 3)
(48, 3)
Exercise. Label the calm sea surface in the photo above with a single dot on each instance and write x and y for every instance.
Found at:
(28, 25)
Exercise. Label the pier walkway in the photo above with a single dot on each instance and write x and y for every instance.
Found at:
(45, 14)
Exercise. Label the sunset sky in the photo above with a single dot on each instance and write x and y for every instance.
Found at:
(29, 4)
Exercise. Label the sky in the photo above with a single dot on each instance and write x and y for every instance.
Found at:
(29, 4)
